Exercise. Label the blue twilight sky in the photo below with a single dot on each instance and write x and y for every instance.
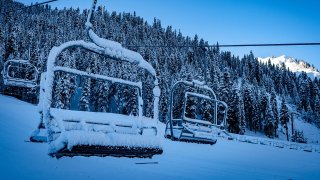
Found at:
(230, 21)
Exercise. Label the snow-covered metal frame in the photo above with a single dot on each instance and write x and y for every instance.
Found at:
(90, 140)
(21, 67)
(188, 129)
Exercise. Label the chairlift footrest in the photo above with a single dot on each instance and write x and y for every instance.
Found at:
(102, 151)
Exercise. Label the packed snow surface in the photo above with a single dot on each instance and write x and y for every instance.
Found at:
(292, 64)
(224, 160)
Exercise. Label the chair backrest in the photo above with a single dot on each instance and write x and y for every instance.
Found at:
(20, 73)
(195, 89)
(208, 112)
(100, 46)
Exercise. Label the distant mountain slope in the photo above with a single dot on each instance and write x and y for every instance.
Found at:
(294, 65)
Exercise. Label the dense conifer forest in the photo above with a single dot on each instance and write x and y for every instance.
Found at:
(261, 97)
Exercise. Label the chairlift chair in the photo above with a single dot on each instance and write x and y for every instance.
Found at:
(19, 73)
(79, 133)
(195, 129)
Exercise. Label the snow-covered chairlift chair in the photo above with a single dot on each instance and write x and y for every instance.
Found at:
(79, 133)
(195, 129)
(19, 73)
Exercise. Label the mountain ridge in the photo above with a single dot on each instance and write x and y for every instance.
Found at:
(295, 65)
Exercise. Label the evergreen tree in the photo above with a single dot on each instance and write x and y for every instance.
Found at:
(249, 107)
(234, 112)
(206, 110)
(304, 91)
(298, 137)
(191, 107)
(274, 107)
(103, 100)
(317, 110)
(269, 123)
(284, 116)
(84, 104)
(43, 27)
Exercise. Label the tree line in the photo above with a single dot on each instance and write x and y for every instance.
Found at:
(260, 96)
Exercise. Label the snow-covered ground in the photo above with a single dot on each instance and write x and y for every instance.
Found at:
(224, 160)
(292, 64)
(311, 132)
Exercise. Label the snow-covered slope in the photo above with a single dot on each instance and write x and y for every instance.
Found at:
(293, 65)
(224, 160)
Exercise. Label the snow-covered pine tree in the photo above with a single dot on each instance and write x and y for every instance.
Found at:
(269, 122)
(243, 123)
(274, 107)
(264, 106)
(191, 107)
(164, 96)
(65, 83)
(284, 116)
(206, 110)
(304, 91)
(298, 137)
(309, 115)
(84, 103)
(248, 106)
(130, 101)
(103, 103)
(317, 110)
(314, 91)
(234, 111)
(225, 87)
(148, 98)
(45, 27)
(257, 116)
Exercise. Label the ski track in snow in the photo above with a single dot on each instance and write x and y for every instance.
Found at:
(224, 160)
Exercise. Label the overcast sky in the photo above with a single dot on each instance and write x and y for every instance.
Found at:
(230, 21)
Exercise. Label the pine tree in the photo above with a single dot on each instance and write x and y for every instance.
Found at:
(304, 91)
(191, 107)
(298, 137)
(269, 123)
(234, 112)
(243, 123)
(264, 106)
(274, 107)
(103, 100)
(284, 116)
(225, 87)
(317, 109)
(84, 104)
(248, 107)
(309, 115)
(44, 28)
(206, 110)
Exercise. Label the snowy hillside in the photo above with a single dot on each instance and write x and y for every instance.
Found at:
(224, 160)
(172, 64)
(293, 65)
